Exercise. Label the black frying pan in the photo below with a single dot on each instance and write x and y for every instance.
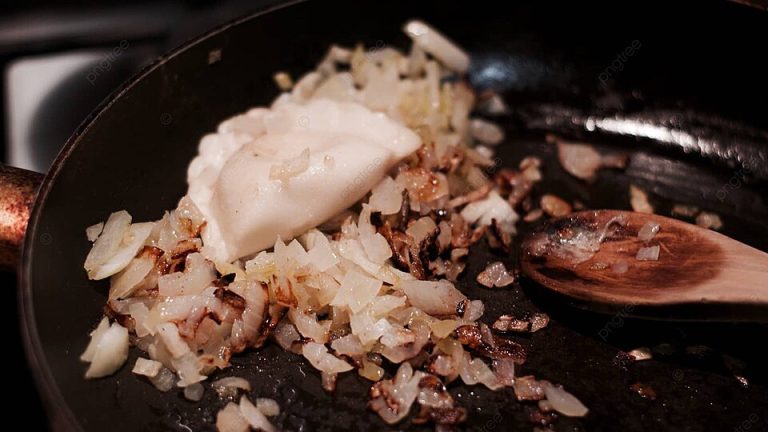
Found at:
(690, 102)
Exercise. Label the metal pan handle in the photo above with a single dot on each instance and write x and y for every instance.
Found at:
(18, 189)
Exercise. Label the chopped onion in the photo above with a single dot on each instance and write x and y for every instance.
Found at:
(642, 353)
(495, 275)
(555, 206)
(648, 231)
(283, 81)
(433, 42)
(348, 345)
(94, 231)
(386, 197)
(648, 253)
(194, 392)
(268, 407)
(255, 418)
(170, 336)
(356, 291)
(286, 335)
(709, 221)
(230, 386)
(579, 160)
(116, 246)
(421, 229)
(164, 381)
(107, 350)
(229, 419)
(564, 402)
(639, 200)
(147, 367)
(318, 356)
(493, 207)
(486, 132)
(620, 267)
(433, 297)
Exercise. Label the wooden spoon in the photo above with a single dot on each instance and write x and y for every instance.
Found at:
(699, 274)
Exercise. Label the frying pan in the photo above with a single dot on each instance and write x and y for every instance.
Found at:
(688, 104)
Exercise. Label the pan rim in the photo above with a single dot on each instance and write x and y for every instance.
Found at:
(60, 415)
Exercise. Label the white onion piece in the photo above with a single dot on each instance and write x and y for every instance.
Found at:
(110, 352)
(194, 392)
(648, 231)
(94, 231)
(386, 197)
(320, 253)
(124, 283)
(421, 229)
(638, 199)
(308, 326)
(172, 340)
(579, 160)
(620, 267)
(474, 310)
(433, 297)
(433, 42)
(164, 381)
(188, 369)
(96, 336)
(286, 335)
(129, 247)
(231, 383)
(229, 419)
(107, 244)
(398, 394)
(268, 407)
(709, 220)
(486, 132)
(650, 253)
(148, 368)
(255, 418)
(356, 291)
(495, 275)
(493, 207)
(564, 402)
(348, 345)
(318, 356)
(642, 353)
(375, 245)
(199, 274)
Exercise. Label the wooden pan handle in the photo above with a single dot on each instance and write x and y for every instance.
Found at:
(18, 189)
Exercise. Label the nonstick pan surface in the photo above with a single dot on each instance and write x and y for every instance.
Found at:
(688, 104)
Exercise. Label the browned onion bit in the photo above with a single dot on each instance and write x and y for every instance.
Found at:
(644, 390)
(498, 348)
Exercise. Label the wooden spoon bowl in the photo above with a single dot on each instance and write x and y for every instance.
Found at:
(699, 274)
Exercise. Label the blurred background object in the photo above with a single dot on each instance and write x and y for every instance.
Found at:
(60, 59)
